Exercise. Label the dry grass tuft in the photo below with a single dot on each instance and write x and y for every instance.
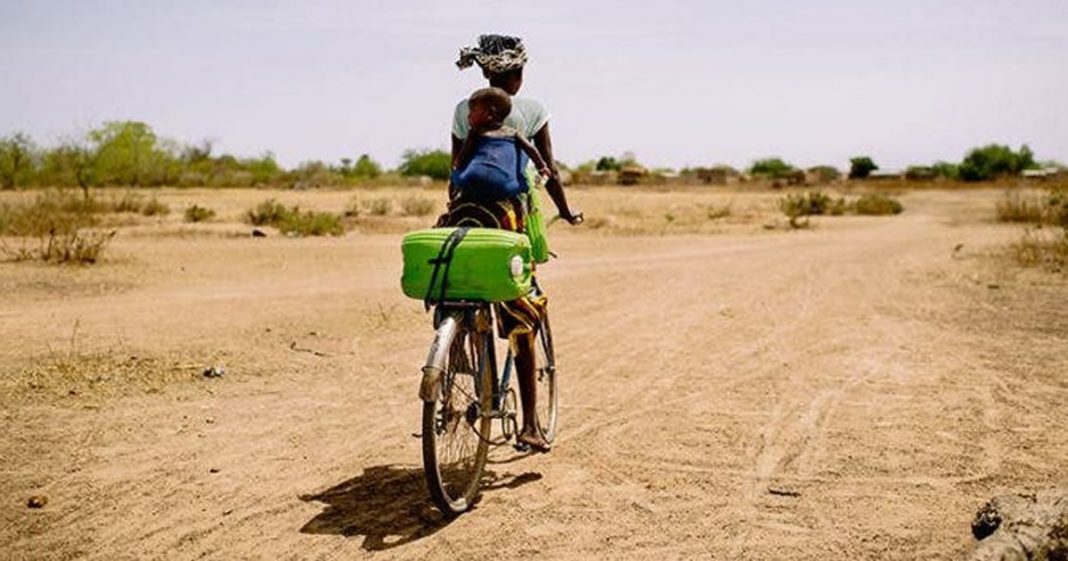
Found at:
(716, 212)
(291, 220)
(415, 205)
(798, 207)
(55, 227)
(1018, 207)
(1048, 250)
(380, 206)
(197, 213)
(1040, 246)
(155, 208)
(876, 205)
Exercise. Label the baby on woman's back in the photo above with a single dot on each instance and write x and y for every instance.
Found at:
(490, 165)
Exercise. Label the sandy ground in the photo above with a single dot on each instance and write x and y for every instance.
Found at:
(854, 391)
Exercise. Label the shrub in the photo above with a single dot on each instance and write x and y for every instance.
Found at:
(1015, 207)
(352, 208)
(861, 167)
(799, 206)
(76, 247)
(436, 164)
(58, 222)
(290, 220)
(197, 213)
(877, 205)
(52, 211)
(311, 223)
(1048, 250)
(1057, 207)
(806, 204)
(130, 202)
(380, 206)
(417, 206)
(715, 213)
(267, 213)
(155, 208)
(1050, 209)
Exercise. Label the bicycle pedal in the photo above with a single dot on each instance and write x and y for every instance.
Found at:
(521, 447)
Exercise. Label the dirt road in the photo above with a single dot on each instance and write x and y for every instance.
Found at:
(850, 392)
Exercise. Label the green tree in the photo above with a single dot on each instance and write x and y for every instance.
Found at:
(436, 164)
(16, 160)
(265, 170)
(995, 160)
(774, 168)
(366, 168)
(861, 167)
(126, 152)
(608, 163)
(946, 170)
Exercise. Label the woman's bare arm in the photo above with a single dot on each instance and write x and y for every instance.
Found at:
(533, 154)
(543, 142)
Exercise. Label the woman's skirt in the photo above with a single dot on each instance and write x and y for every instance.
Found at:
(517, 317)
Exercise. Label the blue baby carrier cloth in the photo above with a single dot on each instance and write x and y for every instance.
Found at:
(494, 172)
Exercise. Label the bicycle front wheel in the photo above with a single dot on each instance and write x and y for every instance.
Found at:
(545, 378)
(456, 425)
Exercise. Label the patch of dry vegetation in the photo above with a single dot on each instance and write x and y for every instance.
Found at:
(1045, 241)
(197, 213)
(799, 206)
(293, 221)
(55, 227)
(415, 205)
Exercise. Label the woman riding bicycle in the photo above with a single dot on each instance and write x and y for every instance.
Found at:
(501, 59)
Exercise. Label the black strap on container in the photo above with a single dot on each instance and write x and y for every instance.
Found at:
(448, 247)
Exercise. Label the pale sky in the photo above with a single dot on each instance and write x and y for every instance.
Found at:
(679, 83)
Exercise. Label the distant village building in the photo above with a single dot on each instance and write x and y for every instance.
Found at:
(821, 175)
(632, 174)
(880, 175)
(718, 175)
(1044, 174)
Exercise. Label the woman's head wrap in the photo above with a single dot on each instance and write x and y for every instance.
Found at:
(495, 53)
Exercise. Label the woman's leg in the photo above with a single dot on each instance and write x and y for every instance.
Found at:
(528, 391)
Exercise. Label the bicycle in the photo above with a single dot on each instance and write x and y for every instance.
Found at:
(458, 411)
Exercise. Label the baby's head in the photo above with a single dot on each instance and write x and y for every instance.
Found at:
(487, 108)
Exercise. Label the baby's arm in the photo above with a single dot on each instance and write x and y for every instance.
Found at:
(533, 153)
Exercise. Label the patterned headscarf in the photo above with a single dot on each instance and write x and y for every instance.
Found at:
(495, 53)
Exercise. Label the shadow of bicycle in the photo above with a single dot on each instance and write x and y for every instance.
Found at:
(389, 506)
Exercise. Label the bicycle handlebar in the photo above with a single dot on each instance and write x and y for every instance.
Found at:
(576, 219)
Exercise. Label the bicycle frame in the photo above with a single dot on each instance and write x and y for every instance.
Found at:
(476, 317)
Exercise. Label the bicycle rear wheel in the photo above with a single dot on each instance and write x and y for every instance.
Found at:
(545, 378)
(456, 425)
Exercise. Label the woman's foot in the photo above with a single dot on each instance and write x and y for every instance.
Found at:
(533, 439)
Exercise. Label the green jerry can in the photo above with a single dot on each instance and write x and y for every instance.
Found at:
(467, 263)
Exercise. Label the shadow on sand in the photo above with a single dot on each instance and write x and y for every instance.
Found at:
(390, 506)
